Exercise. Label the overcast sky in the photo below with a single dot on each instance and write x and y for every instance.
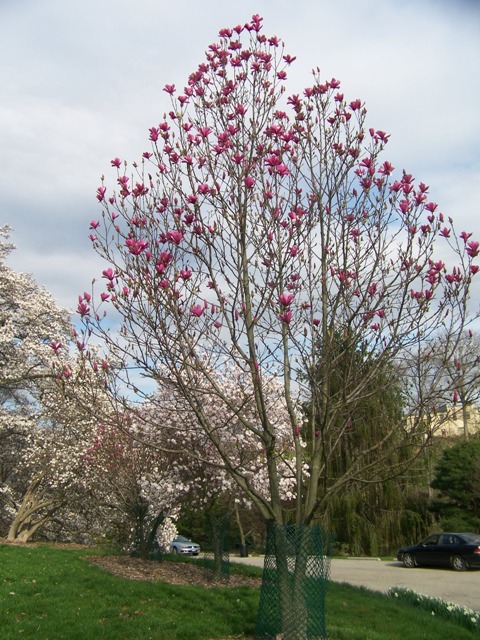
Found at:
(81, 83)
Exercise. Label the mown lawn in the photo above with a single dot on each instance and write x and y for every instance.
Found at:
(48, 593)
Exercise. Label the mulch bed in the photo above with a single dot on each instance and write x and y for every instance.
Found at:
(181, 573)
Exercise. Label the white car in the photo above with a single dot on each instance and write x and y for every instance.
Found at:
(182, 545)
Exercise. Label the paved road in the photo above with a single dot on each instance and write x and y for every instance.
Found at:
(461, 587)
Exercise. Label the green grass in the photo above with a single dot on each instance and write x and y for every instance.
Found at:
(54, 594)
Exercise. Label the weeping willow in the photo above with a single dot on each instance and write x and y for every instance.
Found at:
(369, 512)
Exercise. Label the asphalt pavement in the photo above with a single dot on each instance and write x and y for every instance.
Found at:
(461, 587)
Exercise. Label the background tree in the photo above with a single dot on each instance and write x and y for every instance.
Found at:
(30, 322)
(259, 225)
(42, 429)
(135, 486)
(372, 517)
(457, 480)
(464, 374)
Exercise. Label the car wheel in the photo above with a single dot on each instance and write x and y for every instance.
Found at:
(409, 561)
(458, 563)
(175, 551)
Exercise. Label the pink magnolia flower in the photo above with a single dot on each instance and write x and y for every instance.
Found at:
(109, 274)
(116, 162)
(238, 157)
(104, 296)
(153, 134)
(249, 182)
(295, 101)
(169, 88)
(445, 232)
(136, 247)
(272, 160)
(286, 317)
(285, 299)
(56, 346)
(197, 310)
(94, 224)
(175, 236)
(83, 309)
(294, 251)
(334, 84)
(472, 249)
(282, 170)
(386, 169)
(185, 274)
(204, 131)
(101, 193)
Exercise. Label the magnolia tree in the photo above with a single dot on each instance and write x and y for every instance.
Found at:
(151, 475)
(47, 484)
(30, 322)
(44, 427)
(259, 226)
(139, 483)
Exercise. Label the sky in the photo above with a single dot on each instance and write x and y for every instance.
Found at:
(82, 82)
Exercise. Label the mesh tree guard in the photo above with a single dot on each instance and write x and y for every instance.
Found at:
(216, 563)
(295, 578)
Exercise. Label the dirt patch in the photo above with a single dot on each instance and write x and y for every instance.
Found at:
(181, 573)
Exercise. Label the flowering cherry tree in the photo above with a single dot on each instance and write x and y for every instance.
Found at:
(258, 226)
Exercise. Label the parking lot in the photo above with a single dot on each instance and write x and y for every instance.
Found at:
(461, 587)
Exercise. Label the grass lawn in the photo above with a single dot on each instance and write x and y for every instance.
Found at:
(48, 593)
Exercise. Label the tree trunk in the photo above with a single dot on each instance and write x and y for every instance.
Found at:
(292, 603)
(243, 543)
(218, 538)
(32, 515)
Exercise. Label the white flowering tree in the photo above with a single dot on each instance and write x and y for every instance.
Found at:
(132, 484)
(259, 226)
(42, 428)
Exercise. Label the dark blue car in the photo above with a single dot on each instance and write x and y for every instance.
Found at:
(460, 551)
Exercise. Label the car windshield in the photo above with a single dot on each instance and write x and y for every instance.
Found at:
(182, 539)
